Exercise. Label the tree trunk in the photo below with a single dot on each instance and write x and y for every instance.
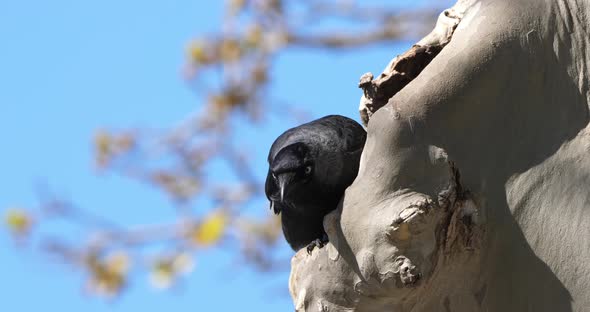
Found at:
(474, 187)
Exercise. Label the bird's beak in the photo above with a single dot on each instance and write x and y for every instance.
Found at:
(282, 184)
(283, 181)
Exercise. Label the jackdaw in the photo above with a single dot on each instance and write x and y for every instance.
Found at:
(310, 166)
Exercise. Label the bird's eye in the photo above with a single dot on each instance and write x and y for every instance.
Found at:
(307, 170)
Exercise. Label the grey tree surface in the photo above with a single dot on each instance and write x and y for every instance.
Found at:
(474, 187)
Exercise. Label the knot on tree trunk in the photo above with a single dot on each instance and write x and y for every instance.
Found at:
(398, 246)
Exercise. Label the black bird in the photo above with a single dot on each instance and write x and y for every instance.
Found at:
(310, 166)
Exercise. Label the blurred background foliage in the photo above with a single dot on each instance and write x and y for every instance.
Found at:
(230, 73)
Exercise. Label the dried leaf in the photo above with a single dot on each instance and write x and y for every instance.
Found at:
(165, 270)
(108, 277)
(162, 274)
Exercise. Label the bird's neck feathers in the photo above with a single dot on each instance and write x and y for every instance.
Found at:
(305, 209)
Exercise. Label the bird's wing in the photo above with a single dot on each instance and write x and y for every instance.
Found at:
(344, 133)
(354, 137)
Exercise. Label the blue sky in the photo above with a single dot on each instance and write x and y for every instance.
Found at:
(71, 67)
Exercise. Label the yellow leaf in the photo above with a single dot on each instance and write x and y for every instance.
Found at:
(102, 144)
(210, 230)
(197, 52)
(102, 141)
(18, 221)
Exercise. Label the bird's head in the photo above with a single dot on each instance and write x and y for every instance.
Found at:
(291, 168)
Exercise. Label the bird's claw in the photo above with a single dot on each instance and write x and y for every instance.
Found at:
(318, 242)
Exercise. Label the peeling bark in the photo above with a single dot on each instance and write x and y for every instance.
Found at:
(473, 192)
(404, 68)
